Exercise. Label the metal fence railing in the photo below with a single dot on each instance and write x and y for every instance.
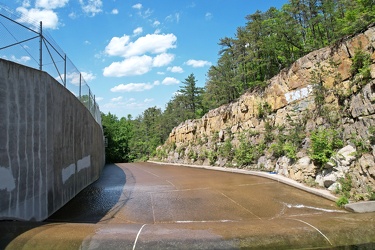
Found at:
(24, 41)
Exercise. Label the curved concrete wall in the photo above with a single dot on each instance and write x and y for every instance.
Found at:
(50, 145)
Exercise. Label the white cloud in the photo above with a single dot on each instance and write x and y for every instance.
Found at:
(98, 99)
(146, 14)
(160, 73)
(151, 43)
(132, 87)
(33, 16)
(91, 7)
(137, 6)
(74, 77)
(72, 15)
(208, 16)
(156, 23)
(88, 77)
(170, 81)
(50, 4)
(136, 65)
(116, 99)
(198, 63)
(162, 60)
(117, 45)
(148, 100)
(114, 11)
(175, 69)
(156, 83)
(22, 59)
(175, 17)
(138, 31)
(26, 4)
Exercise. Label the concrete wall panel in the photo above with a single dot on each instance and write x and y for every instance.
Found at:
(50, 145)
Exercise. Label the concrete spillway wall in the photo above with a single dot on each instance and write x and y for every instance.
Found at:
(50, 145)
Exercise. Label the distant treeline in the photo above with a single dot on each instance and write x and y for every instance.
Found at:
(269, 42)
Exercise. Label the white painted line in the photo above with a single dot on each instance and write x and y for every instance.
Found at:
(136, 238)
(235, 202)
(314, 228)
(179, 190)
(203, 221)
(171, 183)
(149, 172)
(152, 207)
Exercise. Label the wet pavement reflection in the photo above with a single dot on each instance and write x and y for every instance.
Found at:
(94, 202)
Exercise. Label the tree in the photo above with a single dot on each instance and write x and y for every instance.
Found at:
(118, 134)
(190, 95)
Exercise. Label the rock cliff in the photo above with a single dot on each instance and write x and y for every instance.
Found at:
(328, 93)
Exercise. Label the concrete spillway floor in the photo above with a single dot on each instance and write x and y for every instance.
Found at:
(152, 206)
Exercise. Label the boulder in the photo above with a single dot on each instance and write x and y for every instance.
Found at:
(346, 155)
(335, 187)
(329, 179)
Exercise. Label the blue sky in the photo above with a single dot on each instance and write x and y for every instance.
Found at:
(136, 54)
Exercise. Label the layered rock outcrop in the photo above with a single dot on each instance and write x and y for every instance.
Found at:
(322, 90)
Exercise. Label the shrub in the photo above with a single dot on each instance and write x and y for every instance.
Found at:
(212, 157)
(290, 151)
(324, 142)
(342, 201)
(226, 150)
(361, 64)
(248, 153)
(264, 109)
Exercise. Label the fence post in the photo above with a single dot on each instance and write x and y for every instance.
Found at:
(94, 108)
(40, 47)
(65, 71)
(90, 101)
(80, 86)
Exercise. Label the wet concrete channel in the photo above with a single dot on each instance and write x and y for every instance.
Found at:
(157, 206)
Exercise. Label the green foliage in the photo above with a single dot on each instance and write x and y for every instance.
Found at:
(360, 68)
(371, 137)
(264, 109)
(226, 150)
(268, 133)
(215, 136)
(212, 157)
(346, 186)
(118, 134)
(248, 153)
(193, 155)
(290, 150)
(288, 141)
(342, 201)
(361, 146)
(324, 142)
(371, 193)
(161, 153)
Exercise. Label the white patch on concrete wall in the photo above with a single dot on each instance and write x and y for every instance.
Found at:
(67, 172)
(6, 179)
(298, 94)
(85, 162)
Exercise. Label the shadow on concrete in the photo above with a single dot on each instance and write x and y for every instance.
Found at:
(96, 201)
(91, 205)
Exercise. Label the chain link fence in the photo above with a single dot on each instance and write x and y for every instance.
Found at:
(25, 42)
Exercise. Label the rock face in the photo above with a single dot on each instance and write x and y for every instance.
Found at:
(290, 107)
